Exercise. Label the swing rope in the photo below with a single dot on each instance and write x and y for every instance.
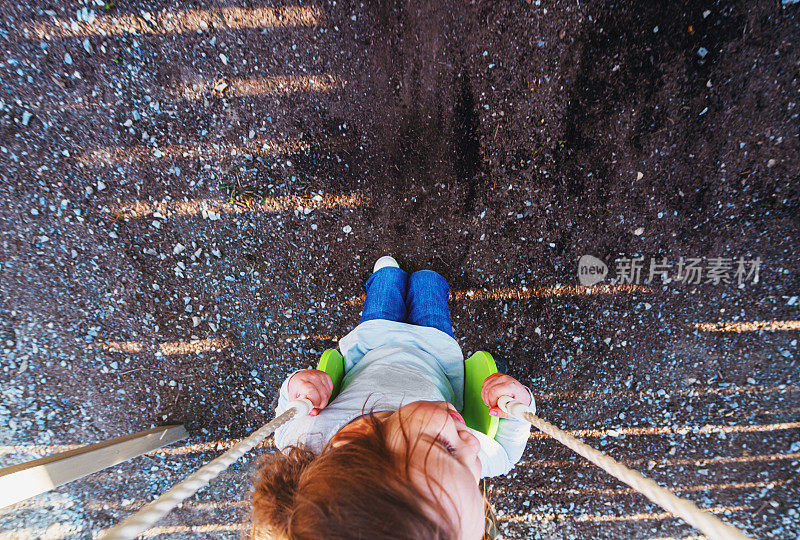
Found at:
(710, 525)
(149, 514)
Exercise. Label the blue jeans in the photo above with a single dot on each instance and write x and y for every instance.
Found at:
(420, 298)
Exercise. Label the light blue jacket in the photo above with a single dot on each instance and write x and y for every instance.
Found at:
(387, 365)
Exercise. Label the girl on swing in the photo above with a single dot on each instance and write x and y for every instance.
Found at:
(390, 456)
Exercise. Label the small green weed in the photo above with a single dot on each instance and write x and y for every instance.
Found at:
(241, 194)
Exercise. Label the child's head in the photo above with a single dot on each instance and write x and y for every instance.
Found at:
(412, 474)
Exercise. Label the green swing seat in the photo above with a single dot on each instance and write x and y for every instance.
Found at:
(476, 368)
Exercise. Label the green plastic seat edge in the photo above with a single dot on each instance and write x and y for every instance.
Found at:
(332, 363)
(476, 368)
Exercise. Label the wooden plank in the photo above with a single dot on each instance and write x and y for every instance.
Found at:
(25, 480)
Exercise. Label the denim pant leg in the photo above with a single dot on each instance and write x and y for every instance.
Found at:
(386, 295)
(426, 301)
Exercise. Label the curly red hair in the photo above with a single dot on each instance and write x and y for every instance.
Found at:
(359, 489)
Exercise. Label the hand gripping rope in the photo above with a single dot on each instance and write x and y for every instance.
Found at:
(709, 524)
(142, 520)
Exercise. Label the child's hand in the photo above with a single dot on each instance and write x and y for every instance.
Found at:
(314, 384)
(500, 384)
